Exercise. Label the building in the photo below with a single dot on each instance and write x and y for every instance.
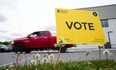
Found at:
(108, 20)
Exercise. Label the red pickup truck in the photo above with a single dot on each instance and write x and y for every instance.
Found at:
(39, 40)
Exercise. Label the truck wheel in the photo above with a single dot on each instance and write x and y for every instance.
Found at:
(18, 48)
(63, 49)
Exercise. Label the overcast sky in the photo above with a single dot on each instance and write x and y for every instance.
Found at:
(20, 17)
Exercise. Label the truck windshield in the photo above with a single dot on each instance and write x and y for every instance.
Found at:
(32, 35)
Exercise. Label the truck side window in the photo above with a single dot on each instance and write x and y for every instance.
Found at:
(42, 34)
(37, 34)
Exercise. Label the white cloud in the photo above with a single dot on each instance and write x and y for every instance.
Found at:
(50, 28)
(2, 18)
(21, 17)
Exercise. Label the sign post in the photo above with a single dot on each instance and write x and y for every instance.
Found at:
(79, 27)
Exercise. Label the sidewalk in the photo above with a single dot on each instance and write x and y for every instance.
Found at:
(87, 49)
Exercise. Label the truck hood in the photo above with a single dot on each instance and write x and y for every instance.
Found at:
(21, 39)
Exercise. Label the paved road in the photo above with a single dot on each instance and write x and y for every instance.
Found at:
(71, 55)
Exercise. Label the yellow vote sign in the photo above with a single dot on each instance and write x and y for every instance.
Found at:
(79, 27)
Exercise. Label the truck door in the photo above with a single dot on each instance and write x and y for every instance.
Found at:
(40, 40)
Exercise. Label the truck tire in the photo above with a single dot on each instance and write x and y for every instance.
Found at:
(63, 49)
(18, 48)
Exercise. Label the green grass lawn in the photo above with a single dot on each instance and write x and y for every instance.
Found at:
(71, 65)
